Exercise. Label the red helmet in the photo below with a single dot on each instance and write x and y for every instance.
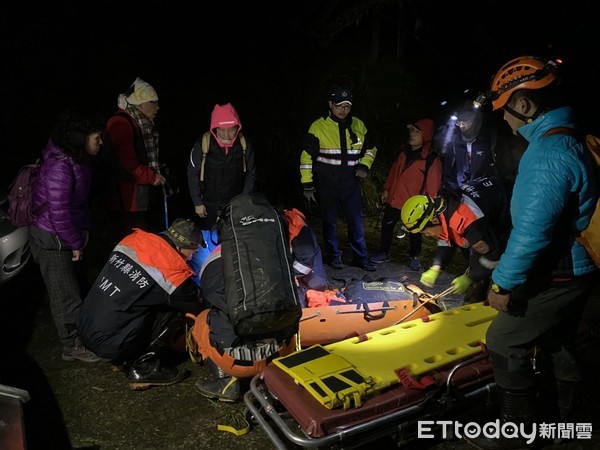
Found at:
(525, 72)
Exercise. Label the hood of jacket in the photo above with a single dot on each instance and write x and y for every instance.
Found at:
(224, 116)
(426, 127)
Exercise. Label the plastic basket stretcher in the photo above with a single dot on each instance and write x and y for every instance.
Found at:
(427, 377)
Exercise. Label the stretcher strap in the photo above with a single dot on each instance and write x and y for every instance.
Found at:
(408, 381)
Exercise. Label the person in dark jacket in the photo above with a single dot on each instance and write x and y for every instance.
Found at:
(135, 310)
(230, 357)
(337, 154)
(135, 176)
(470, 153)
(309, 271)
(478, 221)
(226, 170)
(62, 222)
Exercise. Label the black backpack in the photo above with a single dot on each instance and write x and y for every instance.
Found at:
(257, 267)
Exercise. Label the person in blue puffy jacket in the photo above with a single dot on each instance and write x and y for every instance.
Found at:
(544, 276)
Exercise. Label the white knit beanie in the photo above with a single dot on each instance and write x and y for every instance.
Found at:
(139, 92)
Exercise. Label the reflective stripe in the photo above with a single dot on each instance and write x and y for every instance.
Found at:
(305, 166)
(304, 270)
(162, 262)
(154, 273)
(337, 162)
(330, 151)
(215, 254)
(333, 162)
(476, 210)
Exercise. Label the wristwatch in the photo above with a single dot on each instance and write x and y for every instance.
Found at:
(498, 290)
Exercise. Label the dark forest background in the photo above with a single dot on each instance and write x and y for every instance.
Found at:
(274, 62)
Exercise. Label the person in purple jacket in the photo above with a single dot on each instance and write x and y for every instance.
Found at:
(59, 232)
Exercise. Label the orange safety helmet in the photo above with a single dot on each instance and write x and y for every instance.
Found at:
(525, 72)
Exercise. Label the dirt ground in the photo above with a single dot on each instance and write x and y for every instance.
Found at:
(88, 406)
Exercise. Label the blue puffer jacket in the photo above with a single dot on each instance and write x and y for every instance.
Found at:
(61, 194)
(555, 173)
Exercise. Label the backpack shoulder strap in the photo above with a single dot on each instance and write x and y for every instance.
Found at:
(428, 162)
(563, 130)
(205, 145)
(244, 144)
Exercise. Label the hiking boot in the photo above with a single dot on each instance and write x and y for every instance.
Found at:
(336, 263)
(79, 353)
(225, 388)
(380, 258)
(364, 264)
(414, 263)
(147, 372)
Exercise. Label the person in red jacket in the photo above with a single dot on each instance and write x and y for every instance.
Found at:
(417, 170)
(132, 139)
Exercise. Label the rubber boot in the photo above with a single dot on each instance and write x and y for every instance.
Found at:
(517, 407)
(146, 372)
(225, 388)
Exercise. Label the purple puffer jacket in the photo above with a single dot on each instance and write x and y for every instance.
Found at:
(61, 194)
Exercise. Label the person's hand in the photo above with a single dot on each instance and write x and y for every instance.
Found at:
(430, 276)
(159, 180)
(309, 195)
(201, 211)
(481, 247)
(384, 196)
(498, 301)
(77, 255)
(361, 171)
(461, 284)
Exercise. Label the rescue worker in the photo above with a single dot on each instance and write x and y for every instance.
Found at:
(477, 220)
(470, 154)
(225, 170)
(231, 358)
(544, 276)
(338, 153)
(134, 313)
(309, 271)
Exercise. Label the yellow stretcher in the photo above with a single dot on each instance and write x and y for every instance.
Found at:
(345, 373)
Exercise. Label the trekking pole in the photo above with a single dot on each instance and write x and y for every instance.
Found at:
(164, 190)
(433, 299)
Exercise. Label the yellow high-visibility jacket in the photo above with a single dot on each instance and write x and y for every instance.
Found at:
(323, 148)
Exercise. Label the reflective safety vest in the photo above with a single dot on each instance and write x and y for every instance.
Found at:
(330, 153)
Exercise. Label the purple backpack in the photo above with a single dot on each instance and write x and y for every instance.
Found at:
(20, 195)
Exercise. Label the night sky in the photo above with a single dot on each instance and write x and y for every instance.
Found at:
(402, 58)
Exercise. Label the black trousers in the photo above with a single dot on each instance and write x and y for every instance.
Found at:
(549, 319)
(391, 216)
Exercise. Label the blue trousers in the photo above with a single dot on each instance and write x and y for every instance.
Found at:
(348, 201)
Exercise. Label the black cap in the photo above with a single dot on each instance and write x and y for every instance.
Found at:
(341, 95)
